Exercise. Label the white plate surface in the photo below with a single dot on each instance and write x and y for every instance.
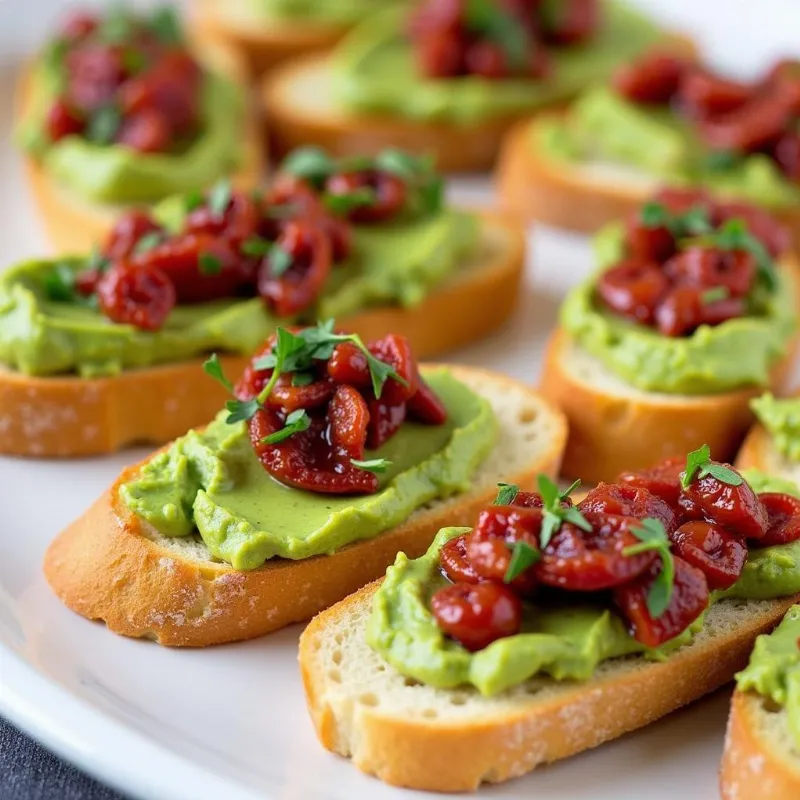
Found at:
(230, 722)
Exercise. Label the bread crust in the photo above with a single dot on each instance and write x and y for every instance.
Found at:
(756, 449)
(536, 188)
(609, 434)
(263, 47)
(750, 767)
(104, 567)
(73, 225)
(71, 416)
(454, 757)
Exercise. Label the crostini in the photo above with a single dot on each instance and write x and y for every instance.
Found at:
(762, 743)
(691, 314)
(105, 350)
(448, 79)
(472, 663)
(271, 31)
(663, 120)
(121, 110)
(331, 457)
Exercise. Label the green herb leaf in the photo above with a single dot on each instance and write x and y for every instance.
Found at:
(279, 261)
(372, 465)
(575, 517)
(117, 26)
(148, 242)
(103, 125)
(693, 222)
(735, 235)
(523, 556)
(256, 246)
(554, 512)
(500, 26)
(550, 525)
(97, 261)
(506, 494)
(241, 410)
(213, 367)
(432, 195)
(342, 204)
(653, 536)
(59, 283)
(209, 264)
(193, 200)
(721, 160)
(715, 295)
(405, 165)
(722, 473)
(296, 422)
(699, 462)
(220, 197)
(311, 163)
(134, 60)
(654, 215)
(303, 378)
(166, 25)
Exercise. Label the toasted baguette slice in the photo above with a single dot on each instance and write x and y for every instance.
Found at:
(582, 198)
(74, 225)
(70, 416)
(759, 452)
(614, 426)
(760, 758)
(110, 565)
(452, 740)
(262, 44)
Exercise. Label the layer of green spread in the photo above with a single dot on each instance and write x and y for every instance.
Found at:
(116, 174)
(391, 264)
(211, 482)
(782, 419)
(602, 127)
(375, 71)
(735, 354)
(774, 669)
(565, 642)
(343, 12)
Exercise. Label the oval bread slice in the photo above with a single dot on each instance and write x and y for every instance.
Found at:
(111, 566)
(71, 416)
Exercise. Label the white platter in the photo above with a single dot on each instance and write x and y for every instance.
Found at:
(230, 722)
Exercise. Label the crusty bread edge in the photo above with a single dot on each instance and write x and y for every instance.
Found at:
(71, 224)
(610, 433)
(70, 416)
(750, 768)
(454, 757)
(535, 187)
(103, 567)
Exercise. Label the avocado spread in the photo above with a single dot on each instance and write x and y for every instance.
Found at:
(115, 174)
(396, 263)
(774, 669)
(565, 642)
(735, 354)
(782, 419)
(375, 71)
(211, 482)
(603, 127)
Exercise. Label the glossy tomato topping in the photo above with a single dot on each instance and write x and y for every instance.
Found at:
(625, 500)
(718, 553)
(455, 563)
(783, 518)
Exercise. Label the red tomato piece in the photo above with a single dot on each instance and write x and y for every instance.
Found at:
(348, 417)
(138, 296)
(290, 398)
(571, 22)
(581, 561)
(348, 364)
(756, 125)
(454, 561)
(651, 245)
(772, 234)
(487, 60)
(389, 194)
(425, 405)
(128, 230)
(783, 513)
(625, 500)
(787, 155)
(688, 601)
(662, 479)
(440, 55)
(63, 121)
(146, 132)
(702, 95)
(94, 73)
(720, 554)
(475, 615)
(653, 79)
(633, 289)
(680, 312)
(708, 268)
(78, 25)
(238, 222)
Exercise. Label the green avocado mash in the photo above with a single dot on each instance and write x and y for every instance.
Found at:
(565, 642)
(604, 128)
(391, 264)
(732, 355)
(343, 12)
(212, 482)
(774, 669)
(116, 174)
(782, 419)
(375, 71)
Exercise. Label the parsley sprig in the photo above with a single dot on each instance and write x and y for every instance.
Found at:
(693, 222)
(489, 18)
(377, 465)
(699, 462)
(296, 421)
(506, 494)
(653, 536)
(523, 556)
(554, 513)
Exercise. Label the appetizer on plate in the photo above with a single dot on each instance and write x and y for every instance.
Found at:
(121, 109)
(267, 32)
(104, 350)
(548, 628)
(662, 120)
(450, 77)
(762, 745)
(691, 313)
(332, 455)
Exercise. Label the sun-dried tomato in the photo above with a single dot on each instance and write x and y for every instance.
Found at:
(655, 78)
(703, 95)
(720, 554)
(783, 518)
(688, 601)
(128, 231)
(625, 500)
(385, 194)
(454, 561)
(136, 295)
(477, 614)
(706, 268)
(62, 121)
(633, 288)
(662, 479)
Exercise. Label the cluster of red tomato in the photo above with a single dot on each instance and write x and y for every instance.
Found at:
(135, 85)
(729, 116)
(676, 289)
(497, 39)
(343, 415)
(707, 526)
(281, 245)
